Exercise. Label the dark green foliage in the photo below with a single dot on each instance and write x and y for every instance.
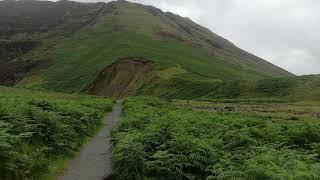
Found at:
(228, 89)
(155, 140)
(183, 88)
(34, 131)
(276, 87)
(304, 88)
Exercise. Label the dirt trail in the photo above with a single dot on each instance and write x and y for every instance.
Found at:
(94, 160)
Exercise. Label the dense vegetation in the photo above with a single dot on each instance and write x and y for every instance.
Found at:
(38, 128)
(303, 88)
(157, 140)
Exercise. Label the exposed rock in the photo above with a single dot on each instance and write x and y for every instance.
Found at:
(12, 73)
(316, 114)
(13, 49)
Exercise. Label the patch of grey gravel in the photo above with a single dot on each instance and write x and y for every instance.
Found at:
(94, 160)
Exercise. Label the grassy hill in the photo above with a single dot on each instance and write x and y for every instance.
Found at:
(76, 43)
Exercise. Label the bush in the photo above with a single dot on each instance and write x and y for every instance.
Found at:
(156, 140)
(34, 131)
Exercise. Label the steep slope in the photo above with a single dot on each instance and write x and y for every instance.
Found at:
(80, 41)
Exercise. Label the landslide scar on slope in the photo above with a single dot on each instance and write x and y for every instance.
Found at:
(122, 78)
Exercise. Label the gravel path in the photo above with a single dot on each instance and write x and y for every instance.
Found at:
(94, 160)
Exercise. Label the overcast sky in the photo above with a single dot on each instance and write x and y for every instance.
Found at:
(284, 32)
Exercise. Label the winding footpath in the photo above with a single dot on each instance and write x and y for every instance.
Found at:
(94, 160)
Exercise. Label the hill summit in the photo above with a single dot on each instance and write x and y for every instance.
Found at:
(117, 48)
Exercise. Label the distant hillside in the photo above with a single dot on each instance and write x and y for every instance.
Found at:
(119, 46)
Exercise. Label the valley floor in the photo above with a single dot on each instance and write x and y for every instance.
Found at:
(156, 138)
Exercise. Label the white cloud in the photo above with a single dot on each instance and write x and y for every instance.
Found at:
(308, 63)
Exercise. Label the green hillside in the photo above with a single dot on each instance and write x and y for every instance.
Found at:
(299, 88)
(76, 46)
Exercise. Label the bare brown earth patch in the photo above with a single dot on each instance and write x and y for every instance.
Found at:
(122, 78)
(12, 73)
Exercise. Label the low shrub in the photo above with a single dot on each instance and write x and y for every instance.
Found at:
(35, 130)
(156, 140)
